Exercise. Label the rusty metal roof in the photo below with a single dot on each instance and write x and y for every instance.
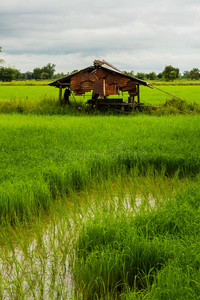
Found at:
(106, 65)
(97, 64)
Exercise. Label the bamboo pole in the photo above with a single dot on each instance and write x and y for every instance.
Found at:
(166, 92)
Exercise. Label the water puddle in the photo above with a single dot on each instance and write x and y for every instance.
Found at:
(41, 269)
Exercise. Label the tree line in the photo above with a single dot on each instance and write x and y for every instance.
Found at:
(170, 73)
(46, 72)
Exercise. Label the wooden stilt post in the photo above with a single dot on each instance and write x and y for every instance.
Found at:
(138, 92)
(133, 103)
(94, 101)
(96, 104)
(60, 95)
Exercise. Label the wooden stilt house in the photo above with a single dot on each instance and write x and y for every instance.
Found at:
(103, 80)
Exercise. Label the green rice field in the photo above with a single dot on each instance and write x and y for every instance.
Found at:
(156, 97)
(189, 93)
(98, 206)
(33, 93)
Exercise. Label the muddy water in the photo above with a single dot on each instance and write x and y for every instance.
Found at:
(39, 268)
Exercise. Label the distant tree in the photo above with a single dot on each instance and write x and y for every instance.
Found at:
(37, 73)
(131, 73)
(160, 75)
(74, 71)
(8, 74)
(152, 76)
(60, 75)
(172, 75)
(140, 75)
(17, 74)
(22, 76)
(167, 73)
(49, 69)
(47, 72)
(186, 74)
(1, 60)
(194, 74)
(44, 75)
(29, 75)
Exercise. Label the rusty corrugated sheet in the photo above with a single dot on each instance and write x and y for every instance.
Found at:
(111, 89)
(82, 82)
(129, 86)
(98, 87)
(117, 79)
(87, 86)
(101, 73)
(103, 82)
(67, 79)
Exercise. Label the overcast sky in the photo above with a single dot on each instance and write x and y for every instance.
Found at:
(142, 36)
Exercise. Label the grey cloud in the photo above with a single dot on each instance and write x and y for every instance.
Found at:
(93, 28)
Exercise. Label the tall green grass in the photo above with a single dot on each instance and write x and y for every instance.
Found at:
(44, 157)
(100, 244)
(152, 254)
(99, 207)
